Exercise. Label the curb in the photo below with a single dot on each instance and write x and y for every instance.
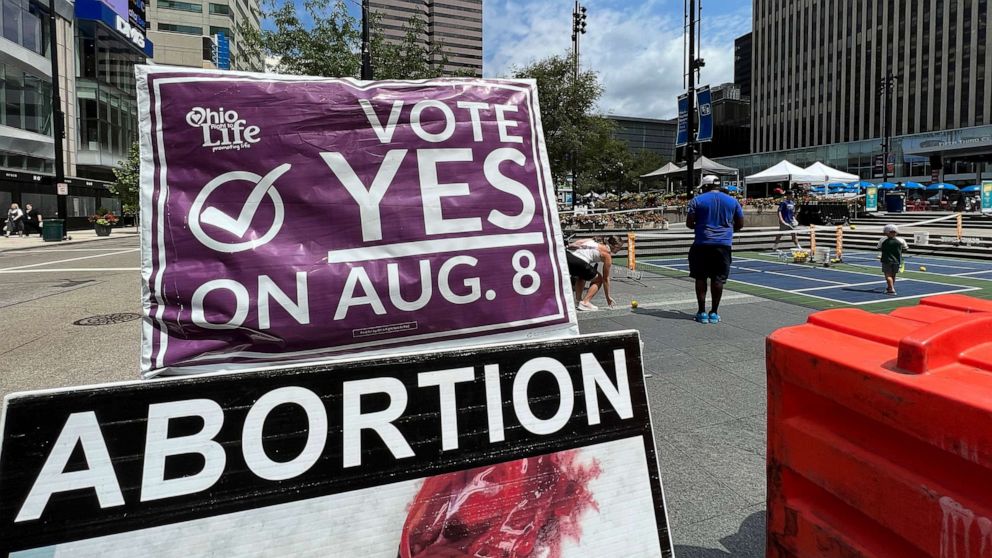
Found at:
(44, 244)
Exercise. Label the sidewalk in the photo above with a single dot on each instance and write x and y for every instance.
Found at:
(8, 244)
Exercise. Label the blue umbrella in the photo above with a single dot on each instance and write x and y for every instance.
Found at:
(861, 184)
(941, 186)
(914, 186)
(973, 188)
(887, 186)
(837, 185)
(732, 189)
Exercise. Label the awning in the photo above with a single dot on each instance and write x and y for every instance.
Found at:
(783, 171)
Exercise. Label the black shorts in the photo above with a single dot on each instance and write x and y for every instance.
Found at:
(579, 268)
(710, 262)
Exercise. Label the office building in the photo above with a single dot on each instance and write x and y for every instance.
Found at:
(731, 122)
(646, 134)
(742, 64)
(455, 25)
(818, 67)
(190, 33)
(98, 44)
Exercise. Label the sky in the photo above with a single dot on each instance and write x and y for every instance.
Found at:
(635, 46)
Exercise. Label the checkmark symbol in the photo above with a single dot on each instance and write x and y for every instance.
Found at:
(238, 227)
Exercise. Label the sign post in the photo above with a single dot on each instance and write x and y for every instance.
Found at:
(302, 219)
(547, 446)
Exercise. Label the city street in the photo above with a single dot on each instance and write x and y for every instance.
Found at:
(70, 315)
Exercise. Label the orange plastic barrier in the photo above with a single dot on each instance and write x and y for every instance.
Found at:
(880, 433)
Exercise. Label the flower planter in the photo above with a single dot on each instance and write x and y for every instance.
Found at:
(102, 230)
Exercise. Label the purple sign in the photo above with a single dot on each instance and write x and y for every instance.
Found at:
(299, 219)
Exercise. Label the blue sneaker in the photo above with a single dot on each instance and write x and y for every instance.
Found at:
(714, 318)
(703, 318)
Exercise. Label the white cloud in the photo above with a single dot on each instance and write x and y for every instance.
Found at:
(635, 48)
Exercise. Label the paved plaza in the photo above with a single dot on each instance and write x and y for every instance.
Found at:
(69, 312)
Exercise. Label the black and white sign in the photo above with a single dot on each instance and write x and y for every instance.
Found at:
(535, 449)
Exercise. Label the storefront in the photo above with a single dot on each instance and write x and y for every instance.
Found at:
(85, 196)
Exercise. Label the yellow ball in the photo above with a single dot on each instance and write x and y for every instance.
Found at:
(853, 227)
(923, 268)
(633, 304)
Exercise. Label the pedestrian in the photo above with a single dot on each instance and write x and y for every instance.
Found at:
(715, 217)
(892, 248)
(584, 257)
(15, 220)
(32, 220)
(787, 219)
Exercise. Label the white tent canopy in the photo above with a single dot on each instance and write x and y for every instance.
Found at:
(669, 168)
(783, 171)
(827, 174)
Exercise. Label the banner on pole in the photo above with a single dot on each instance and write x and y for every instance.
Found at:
(531, 449)
(301, 219)
(683, 131)
(871, 198)
(986, 196)
(704, 106)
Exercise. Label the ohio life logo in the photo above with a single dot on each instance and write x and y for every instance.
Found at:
(223, 129)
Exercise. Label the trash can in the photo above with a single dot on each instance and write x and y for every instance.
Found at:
(52, 230)
(895, 203)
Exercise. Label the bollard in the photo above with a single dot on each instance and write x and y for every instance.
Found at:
(880, 433)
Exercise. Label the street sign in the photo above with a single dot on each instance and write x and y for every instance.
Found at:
(871, 198)
(301, 219)
(705, 132)
(62, 189)
(683, 130)
(531, 449)
(987, 196)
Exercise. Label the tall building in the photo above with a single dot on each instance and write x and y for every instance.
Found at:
(456, 25)
(818, 68)
(647, 134)
(742, 64)
(190, 33)
(97, 45)
(731, 122)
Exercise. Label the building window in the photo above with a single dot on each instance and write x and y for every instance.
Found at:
(217, 30)
(81, 206)
(184, 29)
(21, 23)
(220, 9)
(181, 6)
(25, 101)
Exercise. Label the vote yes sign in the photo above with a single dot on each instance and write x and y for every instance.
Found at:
(292, 218)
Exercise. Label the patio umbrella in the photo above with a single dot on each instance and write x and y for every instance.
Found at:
(861, 184)
(887, 186)
(914, 186)
(732, 189)
(972, 188)
(837, 185)
(941, 186)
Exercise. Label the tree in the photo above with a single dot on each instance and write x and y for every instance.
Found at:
(126, 185)
(325, 40)
(566, 111)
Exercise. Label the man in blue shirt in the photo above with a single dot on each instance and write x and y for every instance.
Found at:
(787, 219)
(715, 217)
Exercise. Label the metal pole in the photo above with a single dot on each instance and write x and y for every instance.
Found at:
(578, 28)
(690, 146)
(366, 47)
(58, 117)
(887, 88)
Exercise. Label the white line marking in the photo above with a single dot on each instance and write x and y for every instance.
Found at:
(422, 247)
(70, 270)
(69, 260)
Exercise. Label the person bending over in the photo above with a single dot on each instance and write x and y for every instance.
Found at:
(584, 257)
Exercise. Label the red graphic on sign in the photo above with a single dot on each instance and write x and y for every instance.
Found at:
(519, 509)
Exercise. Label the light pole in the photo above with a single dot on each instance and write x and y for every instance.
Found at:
(578, 29)
(885, 90)
(58, 117)
(366, 46)
(690, 146)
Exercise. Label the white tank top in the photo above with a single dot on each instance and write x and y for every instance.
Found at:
(589, 251)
